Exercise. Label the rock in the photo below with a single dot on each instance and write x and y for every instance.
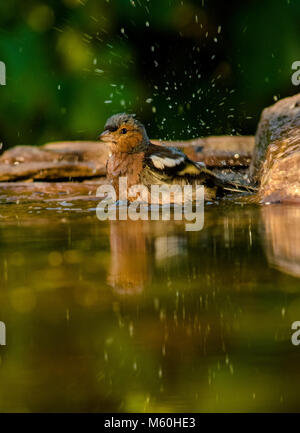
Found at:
(276, 159)
(217, 151)
(87, 159)
(24, 192)
(55, 161)
(276, 122)
(50, 171)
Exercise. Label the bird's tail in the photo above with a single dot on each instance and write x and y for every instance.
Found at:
(239, 187)
(225, 184)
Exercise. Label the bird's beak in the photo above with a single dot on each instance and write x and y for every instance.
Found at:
(105, 136)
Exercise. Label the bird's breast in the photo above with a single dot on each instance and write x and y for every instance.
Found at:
(125, 165)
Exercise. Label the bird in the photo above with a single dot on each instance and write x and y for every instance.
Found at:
(133, 155)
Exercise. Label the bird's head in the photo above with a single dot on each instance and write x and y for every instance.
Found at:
(124, 133)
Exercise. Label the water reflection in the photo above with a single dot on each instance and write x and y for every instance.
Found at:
(130, 266)
(145, 316)
(137, 246)
(282, 237)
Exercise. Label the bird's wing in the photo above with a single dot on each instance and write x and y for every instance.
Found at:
(171, 161)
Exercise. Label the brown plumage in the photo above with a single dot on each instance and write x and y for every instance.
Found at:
(134, 156)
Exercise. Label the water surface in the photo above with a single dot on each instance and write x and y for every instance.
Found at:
(144, 316)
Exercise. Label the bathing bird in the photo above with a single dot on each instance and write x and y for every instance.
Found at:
(133, 155)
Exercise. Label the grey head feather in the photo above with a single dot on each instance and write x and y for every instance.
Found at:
(115, 121)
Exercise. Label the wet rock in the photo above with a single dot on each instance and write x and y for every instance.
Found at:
(276, 159)
(217, 151)
(54, 161)
(24, 192)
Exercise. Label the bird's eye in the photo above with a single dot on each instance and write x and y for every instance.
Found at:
(123, 131)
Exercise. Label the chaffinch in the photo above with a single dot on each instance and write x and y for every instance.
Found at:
(142, 162)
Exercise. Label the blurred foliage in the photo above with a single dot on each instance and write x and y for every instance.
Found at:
(185, 67)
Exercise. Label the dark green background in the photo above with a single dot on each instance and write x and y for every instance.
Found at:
(186, 68)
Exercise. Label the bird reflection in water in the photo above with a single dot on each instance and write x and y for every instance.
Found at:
(136, 248)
